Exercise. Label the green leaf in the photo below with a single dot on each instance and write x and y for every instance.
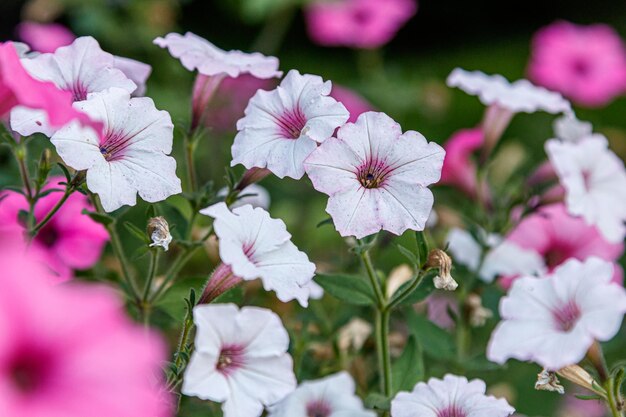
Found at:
(141, 235)
(589, 397)
(409, 255)
(435, 341)
(324, 222)
(174, 301)
(352, 289)
(66, 172)
(422, 248)
(409, 368)
(378, 401)
(423, 290)
(103, 219)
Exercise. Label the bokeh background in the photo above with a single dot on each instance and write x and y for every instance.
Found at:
(405, 79)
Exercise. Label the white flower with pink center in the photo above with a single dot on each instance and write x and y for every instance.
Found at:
(452, 396)
(81, 68)
(332, 396)
(595, 183)
(253, 245)
(282, 127)
(554, 320)
(240, 359)
(130, 158)
(376, 177)
(195, 52)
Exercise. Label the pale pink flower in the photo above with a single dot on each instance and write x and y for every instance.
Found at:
(331, 396)
(553, 320)
(70, 350)
(452, 396)
(353, 102)
(595, 183)
(136, 71)
(376, 177)
(438, 306)
(557, 236)
(70, 240)
(81, 68)
(195, 52)
(240, 359)
(459, 168)
(253, 245)
(44, 37)
(131, 157)
(587, 64)
(574, 407)
(283, 126)
(357, 23)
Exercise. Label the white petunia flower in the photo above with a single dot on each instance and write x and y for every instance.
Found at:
(137, 71)
(332, 396)
(255, 246)
(81, 68)
(553, 320)
(130, 158)
(569, 128)
(282, 127)
(195, 52)
(376, 177)
(240, 359)
(452, 396)
(595, 183)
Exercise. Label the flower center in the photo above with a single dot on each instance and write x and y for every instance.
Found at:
(581, 67)
(318, 408)
(79, 91)
(373, 174)
(29, 371)
(114, 145)
(48, 236)
(555, 257)
(362, 16)
(292, 123)
(231, 358)
(451, 411)
(565, 318)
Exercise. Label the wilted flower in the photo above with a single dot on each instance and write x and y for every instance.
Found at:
(283, 126)
(331, 396)
(553, 320)
(548, 381)
(354, 334)
(441, 260)
(132, 156)
(585, 63)
(376, 177)
(240, 359)
(159, 231)
(452, 396)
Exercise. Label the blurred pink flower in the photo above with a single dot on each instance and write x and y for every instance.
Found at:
(573, 407)
(70, 350)
(585, 63)
(438, 305)
(44, 37)
(355, 104)
(364, 24)
(557, 236)
(459, 169)
(70, 240)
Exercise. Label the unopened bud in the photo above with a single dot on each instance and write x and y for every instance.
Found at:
(204, 89)
(548, 381)
(478, 315)
(159, 232)
(252, 176)
(440, 259)
(578, 376)
(78, 179)
(44, 166)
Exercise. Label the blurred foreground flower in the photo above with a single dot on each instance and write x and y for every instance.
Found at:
(44, 37)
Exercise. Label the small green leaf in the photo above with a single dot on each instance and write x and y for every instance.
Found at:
(435, 341)
(103, 219)
(409, 368)
(66, 172)
(408, 254)
(324, 222)
(352, 289)
(141, 235)
(378, 401)
(589, 397)
(422, 248)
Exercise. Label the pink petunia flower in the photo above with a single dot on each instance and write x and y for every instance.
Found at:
(557, 236)
(253, 245)
(81, 68)
(240, 359)
(69, 350)
(585, 63)
(553, 320)
(70, 240)
(364, 24)
(133, 155)
(331, 396)
(459, 168)
(353, 102)
(376, 177)
(283, 126)
(452, 396)
(45, 37)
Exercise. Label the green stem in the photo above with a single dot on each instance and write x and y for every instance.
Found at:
(20, 156)
(382, 347)
(183, 257)
(415, 282)
(612, 402)
(371, 273)
(68, 191)
(154, 262)
(191, 168)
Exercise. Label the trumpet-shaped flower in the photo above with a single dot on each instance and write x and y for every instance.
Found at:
(459, 169)
(131, 157)
(253, 245)
(283, 126)
(68, 350)
(81, 68)
(331, 396)
(554, 320)
(452, 396)
(595, 183)
(240, 359)
(195, 52)
(585, 63)
(376, 177)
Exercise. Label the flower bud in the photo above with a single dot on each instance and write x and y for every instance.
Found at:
(252, 176)
(548, 381)
(204, 89)
(578, 376)
(440, 259)
(159, 232)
